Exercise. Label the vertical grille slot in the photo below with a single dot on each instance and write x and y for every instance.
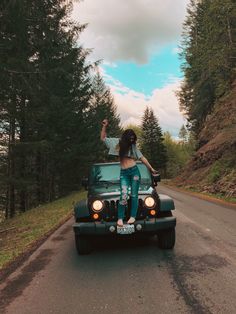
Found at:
(113, 210)
(141, 210)
(110, 211)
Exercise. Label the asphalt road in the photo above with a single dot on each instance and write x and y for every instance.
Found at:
(120, 276)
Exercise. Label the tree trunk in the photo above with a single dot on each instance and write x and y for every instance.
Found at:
(39, 177)
(23, 156)
(11, 170)
(229, 32)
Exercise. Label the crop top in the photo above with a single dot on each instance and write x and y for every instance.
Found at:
(113, 144)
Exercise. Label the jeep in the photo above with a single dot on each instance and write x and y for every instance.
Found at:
(97, 214)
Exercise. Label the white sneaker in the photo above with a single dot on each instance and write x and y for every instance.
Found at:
(131, 220)
(120, 222)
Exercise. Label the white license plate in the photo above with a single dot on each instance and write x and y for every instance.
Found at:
(126, 229)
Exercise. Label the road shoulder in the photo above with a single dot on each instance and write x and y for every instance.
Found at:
(201, 196)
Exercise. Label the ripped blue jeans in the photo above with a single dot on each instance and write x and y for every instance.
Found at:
(129, 177)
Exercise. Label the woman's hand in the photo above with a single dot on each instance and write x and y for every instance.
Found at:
(153, 171)
(145, 161)
(105, 122)
(103, 130)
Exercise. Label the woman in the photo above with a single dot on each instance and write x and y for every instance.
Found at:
(126, 149)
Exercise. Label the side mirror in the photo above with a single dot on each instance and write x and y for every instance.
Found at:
(156, 178)
(84, 183)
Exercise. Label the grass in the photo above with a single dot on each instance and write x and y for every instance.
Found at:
(215, 172)
(215, 195)
(18, 234)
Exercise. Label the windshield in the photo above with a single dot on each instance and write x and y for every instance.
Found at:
(110, 174)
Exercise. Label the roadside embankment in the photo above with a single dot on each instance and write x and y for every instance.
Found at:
(213, 167)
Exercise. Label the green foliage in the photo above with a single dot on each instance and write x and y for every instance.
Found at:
(152, 142)
(183, 134)
(215, 172)
(51, 104)
(222, 167)
(178, 154)
(101, 106)
(208, 53)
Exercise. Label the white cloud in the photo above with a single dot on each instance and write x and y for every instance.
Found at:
(131, 105)
(129, 29)
(110, 64)
(133, 30)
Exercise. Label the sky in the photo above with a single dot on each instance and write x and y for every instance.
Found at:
(138, 42)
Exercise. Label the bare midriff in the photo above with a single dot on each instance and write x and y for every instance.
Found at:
(127, 162)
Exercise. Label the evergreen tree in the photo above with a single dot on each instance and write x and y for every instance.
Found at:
(101, 106)
(46, 103)
(208, 49)
(152, 144)
(183, 134)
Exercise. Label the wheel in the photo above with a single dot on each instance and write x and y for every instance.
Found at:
(166, 239)
(82, 244)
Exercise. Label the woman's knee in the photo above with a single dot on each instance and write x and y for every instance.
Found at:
(124, 194)
(136, 178)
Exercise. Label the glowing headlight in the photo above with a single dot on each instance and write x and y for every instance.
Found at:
(97, 206)
(149, 202)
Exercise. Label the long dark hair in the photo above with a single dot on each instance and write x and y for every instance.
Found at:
(127, 139)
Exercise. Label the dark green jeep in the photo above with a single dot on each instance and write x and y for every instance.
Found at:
(97, 215)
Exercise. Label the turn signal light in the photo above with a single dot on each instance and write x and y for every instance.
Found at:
(95, 216)
(153, 212)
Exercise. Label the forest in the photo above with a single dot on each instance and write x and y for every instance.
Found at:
(53, 100)
(208, 53)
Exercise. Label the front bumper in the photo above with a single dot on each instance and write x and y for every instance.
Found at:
(102, 228)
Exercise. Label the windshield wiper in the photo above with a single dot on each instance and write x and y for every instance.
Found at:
(107, 182)
(146, 181)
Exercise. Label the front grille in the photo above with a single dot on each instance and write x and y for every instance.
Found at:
(110, 211)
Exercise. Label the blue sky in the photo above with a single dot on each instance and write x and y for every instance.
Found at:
(138, 42)
(162, 68)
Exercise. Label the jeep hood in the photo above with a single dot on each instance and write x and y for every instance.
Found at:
(114, 190)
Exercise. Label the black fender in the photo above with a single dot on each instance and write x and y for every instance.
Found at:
(166, 203)
(81, 209)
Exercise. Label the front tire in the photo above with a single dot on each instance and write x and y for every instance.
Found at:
(83, 245)
(166, 239)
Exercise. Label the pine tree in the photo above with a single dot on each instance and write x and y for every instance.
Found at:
(183, 134)
(101, 106)
(45, 90)
(152, 144)
(208, 49)
(51, 104)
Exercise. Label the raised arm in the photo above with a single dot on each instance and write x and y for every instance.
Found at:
(145, 161)
(103, 130)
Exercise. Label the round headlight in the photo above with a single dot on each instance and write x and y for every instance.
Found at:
(149, 202)
(97, 205)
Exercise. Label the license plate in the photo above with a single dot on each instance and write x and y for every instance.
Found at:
(126, 229)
